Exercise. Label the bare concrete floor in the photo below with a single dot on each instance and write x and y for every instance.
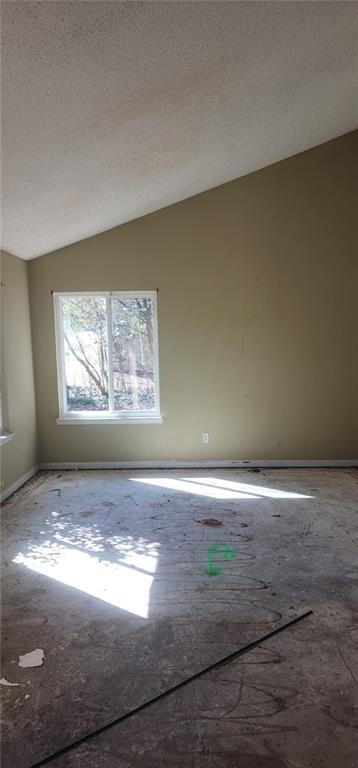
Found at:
(106, 572)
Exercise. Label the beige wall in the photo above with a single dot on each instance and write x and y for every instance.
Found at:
(18, 456)
(258, 322)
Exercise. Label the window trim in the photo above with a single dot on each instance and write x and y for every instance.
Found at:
(5, 436)
(110, 416)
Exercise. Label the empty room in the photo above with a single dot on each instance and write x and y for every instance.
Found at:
(179, 379)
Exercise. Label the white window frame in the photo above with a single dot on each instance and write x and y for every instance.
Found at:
(111, 416)
(5, 436)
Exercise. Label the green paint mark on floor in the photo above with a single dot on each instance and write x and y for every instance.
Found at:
(220, 550)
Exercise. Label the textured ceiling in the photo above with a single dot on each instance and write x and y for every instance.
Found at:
(111, 110)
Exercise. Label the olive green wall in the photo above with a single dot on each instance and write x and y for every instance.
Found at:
(258, 318)
(17, 457)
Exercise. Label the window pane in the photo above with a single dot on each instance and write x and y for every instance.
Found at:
(133, 354)
(86, 357)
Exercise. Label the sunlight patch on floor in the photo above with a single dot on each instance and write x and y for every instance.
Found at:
(258, 490)
(216, 488)
(124, 585)
(190, 487)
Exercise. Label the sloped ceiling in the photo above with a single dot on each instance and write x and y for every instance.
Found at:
(112, 110)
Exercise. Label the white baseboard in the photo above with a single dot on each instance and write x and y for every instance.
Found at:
(18, 483)
(225, 464)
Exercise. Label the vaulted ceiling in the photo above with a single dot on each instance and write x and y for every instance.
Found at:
(111, 110)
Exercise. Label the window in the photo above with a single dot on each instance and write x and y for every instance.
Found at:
(107, 357)
(4, 435)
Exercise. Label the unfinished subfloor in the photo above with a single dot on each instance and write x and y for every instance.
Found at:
(107, 572)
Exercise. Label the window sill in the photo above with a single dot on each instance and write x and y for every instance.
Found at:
(5, 437)
(80, 421)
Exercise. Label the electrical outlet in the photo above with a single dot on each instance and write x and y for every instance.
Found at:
(205, 437)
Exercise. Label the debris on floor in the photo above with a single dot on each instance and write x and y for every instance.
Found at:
(254, 469)
(209, 521)
(53, 490)
(60, 514)
(33, 659)
(4, 681)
